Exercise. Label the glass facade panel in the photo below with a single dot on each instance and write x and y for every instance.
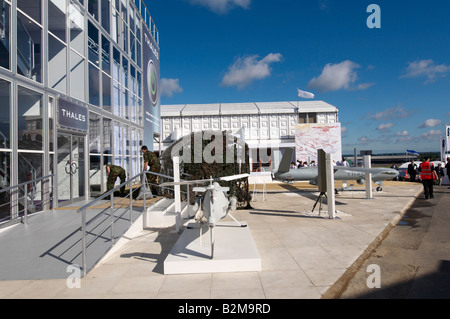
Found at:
(105, 14)
(29, 39)
(94, 133)
(93, 43)
(77, 76)
(93, 8)
(125, 103)
(116, 64)
(76, 25)
(57, 61)
(107, 136)
(106, 55)
(5, 27)
(94, 85)
(115, 32)
(57, 18)
(5, 178)
(138, 54)
(132, 47)
(116, 98)
(133, 104)
(118, 139)
(30, 168)
(106, 92)
(5, 109)
(124, 41)
(30, 119)
(124, 72)
(32, 8)
(131, 19)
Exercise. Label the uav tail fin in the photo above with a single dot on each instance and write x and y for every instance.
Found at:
(285, 163)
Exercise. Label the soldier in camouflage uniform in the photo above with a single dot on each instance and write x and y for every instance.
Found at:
(115, 171)
(151, 163)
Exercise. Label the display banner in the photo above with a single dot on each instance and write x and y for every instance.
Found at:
(311, 137)
(152, 111)
(73, 116)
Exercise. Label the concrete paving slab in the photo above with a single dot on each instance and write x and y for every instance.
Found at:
(303, 255)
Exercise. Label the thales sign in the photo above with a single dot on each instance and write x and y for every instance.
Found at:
(72, 115)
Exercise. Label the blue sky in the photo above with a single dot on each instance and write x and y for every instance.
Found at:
(391, 84)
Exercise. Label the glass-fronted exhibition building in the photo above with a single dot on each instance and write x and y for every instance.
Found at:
(78, 90)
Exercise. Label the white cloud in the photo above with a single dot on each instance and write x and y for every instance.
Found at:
(385, 127)
(397, 112)
(245, 70)
(222, 6)
(432, 134)
(169, 87)
(403, 139)
(430, 123)
(364, 140)
(426, 68)
(404, 133)
(338, 76)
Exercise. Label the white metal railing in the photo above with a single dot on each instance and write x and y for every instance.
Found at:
(29, 192)
(110, 224)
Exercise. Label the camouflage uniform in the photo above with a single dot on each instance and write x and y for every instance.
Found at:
(153, 165)
(115, 171)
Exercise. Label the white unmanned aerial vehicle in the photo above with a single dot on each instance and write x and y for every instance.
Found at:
(216, 203)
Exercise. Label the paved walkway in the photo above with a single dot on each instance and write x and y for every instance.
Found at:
(304, 255)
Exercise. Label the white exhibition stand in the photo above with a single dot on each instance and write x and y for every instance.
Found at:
(234, 250)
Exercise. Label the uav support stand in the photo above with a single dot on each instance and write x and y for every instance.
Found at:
(319, 199)
(326, 182)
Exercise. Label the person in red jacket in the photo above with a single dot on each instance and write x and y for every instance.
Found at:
(427, 175)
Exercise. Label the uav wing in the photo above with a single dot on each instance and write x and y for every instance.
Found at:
(204, 181)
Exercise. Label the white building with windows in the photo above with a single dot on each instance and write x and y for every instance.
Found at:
(73, 96)
(267, 127)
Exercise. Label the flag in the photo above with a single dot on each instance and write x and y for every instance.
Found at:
(304, 94)
(411, 152)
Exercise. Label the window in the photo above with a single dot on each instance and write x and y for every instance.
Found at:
(94, 133)
(115, 32)
(5, 107)
(106, 56)
(105, 14)
(32, 9)
(76, 25)
(30, 117)
(107, 136)
(57, 18)
(77, 76)
(5, 25)
(94, 85)
(93, 43)
(57, 61)
(29, 35)
(116, 98)
(106, 92)
(116, 64)
(93, 8)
